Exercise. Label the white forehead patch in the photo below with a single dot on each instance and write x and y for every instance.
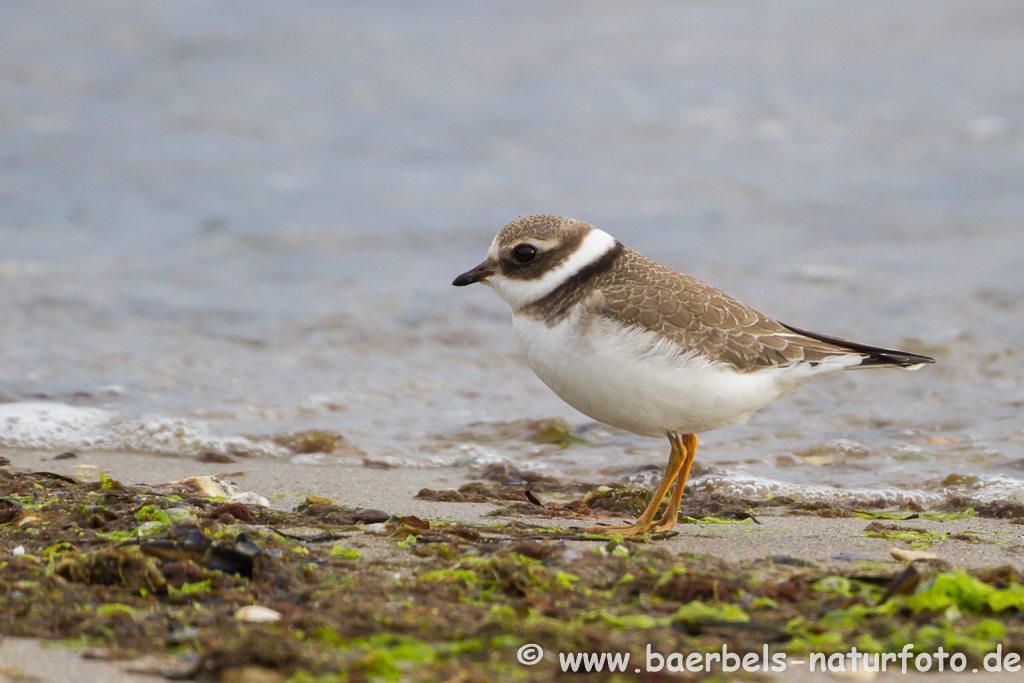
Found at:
(492, 251)
(519, 293)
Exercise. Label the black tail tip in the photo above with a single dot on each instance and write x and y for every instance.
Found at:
(907, 361)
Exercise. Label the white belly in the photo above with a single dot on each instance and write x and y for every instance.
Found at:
(637, 381)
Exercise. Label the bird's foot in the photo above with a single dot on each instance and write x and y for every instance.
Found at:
(667, 521)
(663, 526)
(619, 529)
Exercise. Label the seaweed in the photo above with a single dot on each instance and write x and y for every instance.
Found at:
(229, 592)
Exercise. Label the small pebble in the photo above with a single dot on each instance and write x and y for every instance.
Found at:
(912, 555)
(20, 550)
(257, 614)
(791, 561)
(210, 486)
(571, 555)
(183, 635)
(65, 456)
(249, 498)
(371, 516)
(149, 528)
(217, 458)
(851, 557)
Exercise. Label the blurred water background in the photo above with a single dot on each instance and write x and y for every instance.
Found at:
(222, 221)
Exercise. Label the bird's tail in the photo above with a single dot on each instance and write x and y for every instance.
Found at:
(874, 356)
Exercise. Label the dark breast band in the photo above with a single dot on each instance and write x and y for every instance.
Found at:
(553, 307)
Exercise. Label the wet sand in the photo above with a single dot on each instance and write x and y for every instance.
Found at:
(24, 660)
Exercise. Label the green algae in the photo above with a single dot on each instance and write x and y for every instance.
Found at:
(556, 434)
(915, 538)
(449, 602)
(716, 520)
(111, 608)
(935, 516)
(697, 611)
(967, 593)
(108, 484)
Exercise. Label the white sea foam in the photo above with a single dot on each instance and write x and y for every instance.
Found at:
(40, 425)
(984, 490)
(50, 426)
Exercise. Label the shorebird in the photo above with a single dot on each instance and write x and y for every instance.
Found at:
(638, 346)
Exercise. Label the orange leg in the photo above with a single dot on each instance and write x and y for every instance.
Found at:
(668, 520)
(676, 460)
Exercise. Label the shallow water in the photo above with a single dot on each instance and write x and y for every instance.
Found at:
(222, 221)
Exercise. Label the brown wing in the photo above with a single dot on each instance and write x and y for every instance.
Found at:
(697, 316)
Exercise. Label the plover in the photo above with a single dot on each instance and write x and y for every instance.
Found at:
(633, 344)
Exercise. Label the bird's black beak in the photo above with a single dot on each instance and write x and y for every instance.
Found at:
(478, 274)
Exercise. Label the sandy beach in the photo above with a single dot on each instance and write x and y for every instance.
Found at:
(816, 539)
(776, 535)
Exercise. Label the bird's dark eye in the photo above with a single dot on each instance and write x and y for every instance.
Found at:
(524, 253)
